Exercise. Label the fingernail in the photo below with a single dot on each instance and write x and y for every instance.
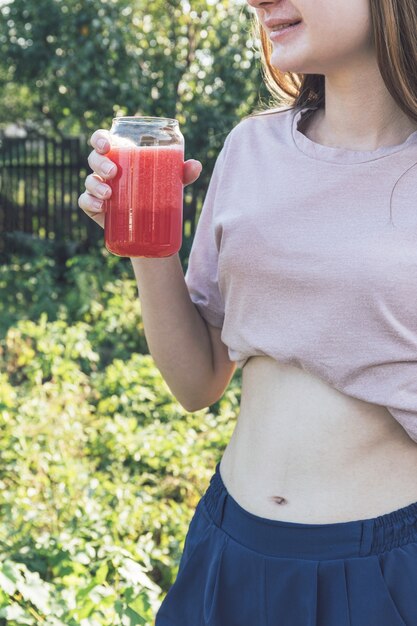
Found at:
(101, 144)
(97, 204)
(102, 190)
(107, 168)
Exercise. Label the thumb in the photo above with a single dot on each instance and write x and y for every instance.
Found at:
(192, 170)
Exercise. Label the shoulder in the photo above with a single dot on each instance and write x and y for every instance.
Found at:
(276, 116)
(269, 111)
(254, 125)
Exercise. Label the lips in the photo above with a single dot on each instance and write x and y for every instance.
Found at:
(283, 26)
(274, 24)
(281, 33)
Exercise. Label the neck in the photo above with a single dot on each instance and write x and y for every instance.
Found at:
(355, 120)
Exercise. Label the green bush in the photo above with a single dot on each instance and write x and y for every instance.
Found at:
(101, 467)
(28, 288)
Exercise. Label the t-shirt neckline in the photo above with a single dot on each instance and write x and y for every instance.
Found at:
(340, 155)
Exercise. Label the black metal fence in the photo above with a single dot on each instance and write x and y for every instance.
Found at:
(40, 182)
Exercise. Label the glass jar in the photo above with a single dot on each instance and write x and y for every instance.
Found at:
(144, 216)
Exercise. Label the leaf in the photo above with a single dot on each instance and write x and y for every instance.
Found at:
(133, 572)
(34, 589)
(7, 579)
(7, 585)
(101, 573)
(141, 604)
(131, 618)
(85, 591)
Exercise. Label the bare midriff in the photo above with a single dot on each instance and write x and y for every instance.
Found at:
(304, 452)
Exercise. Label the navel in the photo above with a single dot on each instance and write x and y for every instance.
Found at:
(279, 500)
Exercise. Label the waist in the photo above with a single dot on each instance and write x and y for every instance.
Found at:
(303, 451)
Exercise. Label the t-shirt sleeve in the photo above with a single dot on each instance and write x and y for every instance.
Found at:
(202, 273)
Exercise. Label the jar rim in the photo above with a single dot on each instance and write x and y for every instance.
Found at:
(139, 119)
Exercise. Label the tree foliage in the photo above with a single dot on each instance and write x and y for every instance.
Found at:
(82, 62)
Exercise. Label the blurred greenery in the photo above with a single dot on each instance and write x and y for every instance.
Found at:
(101, 467)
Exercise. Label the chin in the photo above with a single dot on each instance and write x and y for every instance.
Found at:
(284, 63)
(301, 58)
(288, 67)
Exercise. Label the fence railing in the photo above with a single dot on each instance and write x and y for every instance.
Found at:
(40, 182)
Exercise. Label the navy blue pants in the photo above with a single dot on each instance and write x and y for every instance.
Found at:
(238, 569)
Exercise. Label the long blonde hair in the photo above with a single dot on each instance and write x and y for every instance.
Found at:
(394, 26)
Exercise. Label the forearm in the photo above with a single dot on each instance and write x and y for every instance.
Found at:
(176, 334)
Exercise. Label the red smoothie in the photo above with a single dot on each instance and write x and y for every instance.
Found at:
(144, 215)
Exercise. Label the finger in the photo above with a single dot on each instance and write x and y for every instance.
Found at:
(97, 187)
(102, 165)
(100, 140)
(90, 204)
(192, 171)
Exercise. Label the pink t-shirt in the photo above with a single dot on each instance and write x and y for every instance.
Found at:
(298, 255)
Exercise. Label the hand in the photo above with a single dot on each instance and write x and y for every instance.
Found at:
(97, 191)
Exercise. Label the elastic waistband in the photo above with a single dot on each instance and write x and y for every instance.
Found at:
(308, 541)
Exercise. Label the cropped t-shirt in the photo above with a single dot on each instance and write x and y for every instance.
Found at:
(308, 254)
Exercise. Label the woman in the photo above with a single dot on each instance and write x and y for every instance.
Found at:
(303, 273)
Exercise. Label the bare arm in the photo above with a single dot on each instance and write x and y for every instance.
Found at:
(177, 335)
